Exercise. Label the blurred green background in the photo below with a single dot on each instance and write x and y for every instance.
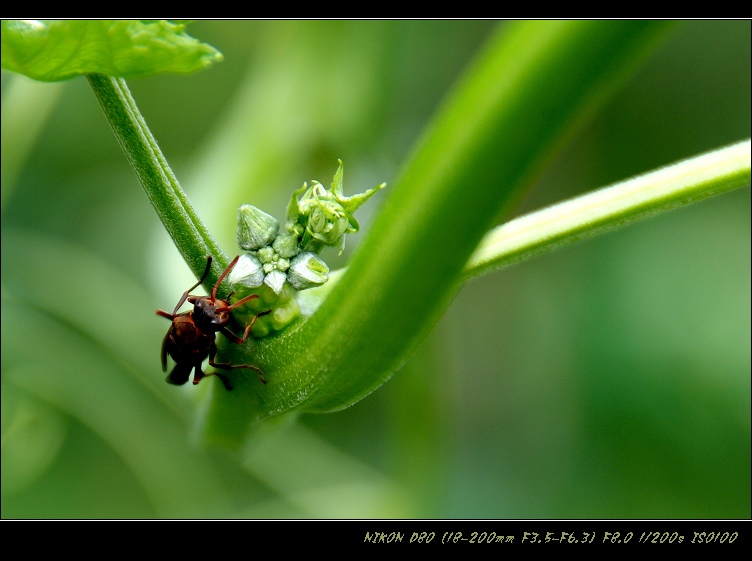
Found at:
(608, 379)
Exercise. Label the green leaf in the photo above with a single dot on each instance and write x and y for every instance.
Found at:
(54, 50)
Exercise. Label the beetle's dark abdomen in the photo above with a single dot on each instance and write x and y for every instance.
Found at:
(186, 343)
(179, 374)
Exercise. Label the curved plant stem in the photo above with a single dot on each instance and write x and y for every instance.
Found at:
(602, 210)
(595, 213)
(532, 84)
(193, 240)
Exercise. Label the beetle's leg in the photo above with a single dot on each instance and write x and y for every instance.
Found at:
(228, 366)
(241, 301)
(238, 303)
(225, 379)
(201, 374)
(187, 293)
(234, 338)
(198, 375)
(167, 315)
(222, 276)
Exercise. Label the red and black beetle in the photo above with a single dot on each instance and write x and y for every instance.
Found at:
(191, 337)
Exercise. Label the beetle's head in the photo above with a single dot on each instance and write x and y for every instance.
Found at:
(210, 316)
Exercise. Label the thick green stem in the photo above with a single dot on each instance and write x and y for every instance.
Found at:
(193, 240)
(597, 212)
(531, 85)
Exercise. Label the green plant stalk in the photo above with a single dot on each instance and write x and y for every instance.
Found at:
(191, 237)
(611, 207)
(595, 213)
(534, 82)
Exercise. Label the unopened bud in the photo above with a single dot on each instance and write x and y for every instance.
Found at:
(247, 272)
(306, 271)
(255, 228)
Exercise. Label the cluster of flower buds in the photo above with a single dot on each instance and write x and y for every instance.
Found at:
(318, 217)
(273, 258)
(280, 262)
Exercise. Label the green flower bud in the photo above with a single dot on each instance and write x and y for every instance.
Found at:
(284, 315)
(286, 245)
(271, 260)
(266, 254)
(255, 228)
(247, 272)
(261, 328)
(286, 295)
(284, 309)
(267, 296)
(275, 280)
(321, 217)
(306, 271)
(350, 204)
